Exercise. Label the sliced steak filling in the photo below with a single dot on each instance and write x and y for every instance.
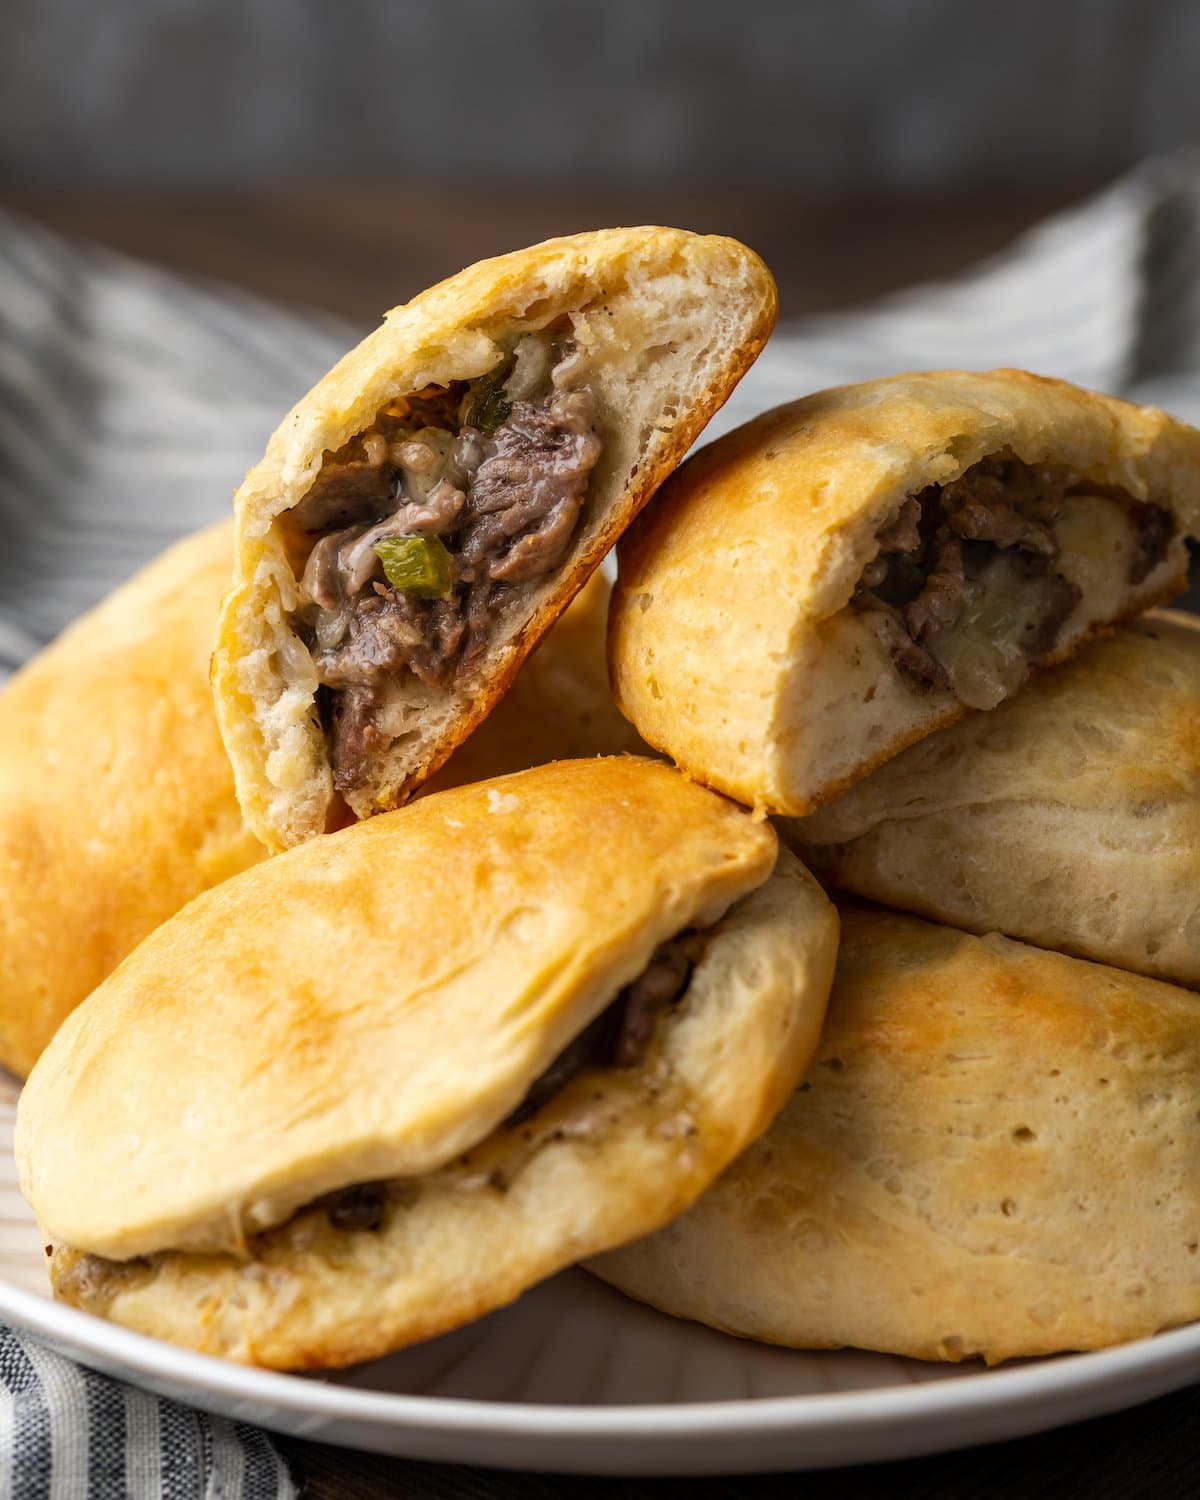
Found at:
(422, 532)
(966, 586)
(621, 1034)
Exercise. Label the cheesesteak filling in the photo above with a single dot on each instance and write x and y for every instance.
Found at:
(966, 587)
(622, 1032)
(423, 531)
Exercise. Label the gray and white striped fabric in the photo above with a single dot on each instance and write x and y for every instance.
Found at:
(132, 401)
(67, 1433)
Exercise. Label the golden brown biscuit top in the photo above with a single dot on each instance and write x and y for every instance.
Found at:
(899, 982)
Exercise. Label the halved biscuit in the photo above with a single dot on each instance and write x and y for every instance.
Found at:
(426, 512)
(846, 574)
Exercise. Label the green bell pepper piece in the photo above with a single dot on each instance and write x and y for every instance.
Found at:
(488, 405)
(418, 565)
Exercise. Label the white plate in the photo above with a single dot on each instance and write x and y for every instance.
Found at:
(577, 1379)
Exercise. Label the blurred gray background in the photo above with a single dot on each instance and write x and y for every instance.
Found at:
(812, 94)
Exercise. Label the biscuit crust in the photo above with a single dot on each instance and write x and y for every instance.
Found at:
(368, 1005)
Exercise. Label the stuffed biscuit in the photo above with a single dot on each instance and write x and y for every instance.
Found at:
(846, 574)
(995, 1153)
(425, 513)
(116, 798)
(384, 1082)
(1069, 817)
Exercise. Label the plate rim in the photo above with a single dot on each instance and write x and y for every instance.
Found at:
(1004, 1387)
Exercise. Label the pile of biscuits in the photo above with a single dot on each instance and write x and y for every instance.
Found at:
(408, 964)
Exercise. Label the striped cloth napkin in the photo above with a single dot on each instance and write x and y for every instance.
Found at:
(133, 401)
(67, 1433)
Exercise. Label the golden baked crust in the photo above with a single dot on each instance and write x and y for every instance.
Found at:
(672, 321)
(116, 797)
(559, 707)
(500, 1205)
(367, 1005)
(731, 644)
(1069, 817)
(994, 1153)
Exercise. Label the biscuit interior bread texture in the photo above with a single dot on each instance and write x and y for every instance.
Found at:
(559, 707)
(117, 803)
(1069, 817)
(842, 576)
(405, 1109)
(424, 514)
(994, 1153)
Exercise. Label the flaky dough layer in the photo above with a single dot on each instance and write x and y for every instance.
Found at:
(671, 321)
(995, 1153)
(1069, 817)
(732, 646)
(559, 707)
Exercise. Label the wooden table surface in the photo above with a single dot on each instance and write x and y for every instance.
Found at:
(355, 250)
(359, 250)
